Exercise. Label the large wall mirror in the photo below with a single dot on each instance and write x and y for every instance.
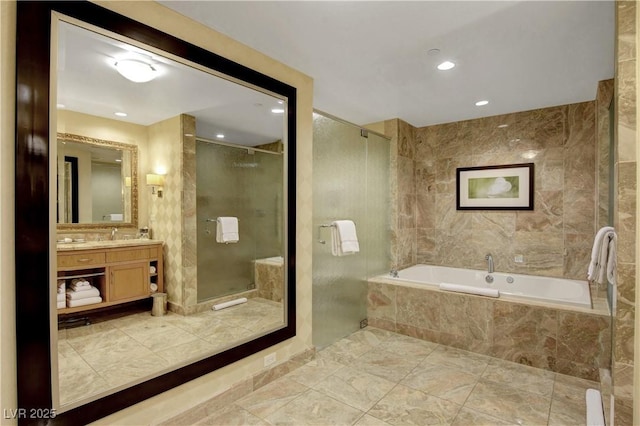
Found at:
(227, 125)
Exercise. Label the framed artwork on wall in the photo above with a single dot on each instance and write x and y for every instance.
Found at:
(505, 187)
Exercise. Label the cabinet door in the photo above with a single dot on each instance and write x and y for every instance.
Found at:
(129, 281)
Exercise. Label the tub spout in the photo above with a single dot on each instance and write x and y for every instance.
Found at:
(489, 260)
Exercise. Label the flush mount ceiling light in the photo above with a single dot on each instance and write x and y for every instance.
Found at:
(220, 136)
(120, 114)
(446, 65)
(482, 103)
(136, 71)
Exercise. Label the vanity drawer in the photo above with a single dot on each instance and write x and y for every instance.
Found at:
(125, 255)
(81, 259)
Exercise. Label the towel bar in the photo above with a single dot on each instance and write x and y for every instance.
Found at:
(214, 220)
(320, 240)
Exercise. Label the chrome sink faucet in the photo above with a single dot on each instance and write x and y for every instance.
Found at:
(114, 231)
(489, 260)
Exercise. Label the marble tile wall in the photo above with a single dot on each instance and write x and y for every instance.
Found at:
(570, 342)
(555, 239)
(625, 209)
(165, 218)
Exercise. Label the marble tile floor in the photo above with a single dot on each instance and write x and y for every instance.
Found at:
(102, 356)
(375, 377)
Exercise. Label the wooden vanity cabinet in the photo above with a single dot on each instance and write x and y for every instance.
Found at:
(121, 274)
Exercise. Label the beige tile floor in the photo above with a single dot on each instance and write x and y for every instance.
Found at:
(374, 377)
(102, 356)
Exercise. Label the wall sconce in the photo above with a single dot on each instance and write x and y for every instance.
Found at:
(155, 181)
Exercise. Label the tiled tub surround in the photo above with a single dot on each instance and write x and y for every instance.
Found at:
(568, 340)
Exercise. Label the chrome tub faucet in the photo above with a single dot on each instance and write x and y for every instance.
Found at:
(489, 260)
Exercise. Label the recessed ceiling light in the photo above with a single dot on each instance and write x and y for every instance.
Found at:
(446, 65)
(121, 114)
(220, 136)
(277, 110)
(280, 102)
(481, 103)
(118, 160)
(136, 71)
(61, 106)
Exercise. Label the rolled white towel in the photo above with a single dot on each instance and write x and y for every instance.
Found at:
(83, 302)
(152, 269)
(84, 294)
(480, 291)
(80, 285)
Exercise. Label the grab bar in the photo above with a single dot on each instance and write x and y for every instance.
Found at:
(320, 240)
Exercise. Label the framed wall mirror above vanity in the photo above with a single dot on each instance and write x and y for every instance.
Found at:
(81, 169)
(97, 183)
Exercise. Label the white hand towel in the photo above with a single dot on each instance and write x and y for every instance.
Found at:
(227, 230)
(344, 239)
(83, 302)
(61, 305)
(61, 297)
(84, 294)
(603, 256)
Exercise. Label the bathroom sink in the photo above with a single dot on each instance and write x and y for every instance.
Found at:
(104, 244)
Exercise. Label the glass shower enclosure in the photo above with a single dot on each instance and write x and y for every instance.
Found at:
(350, 181)
(244, 183)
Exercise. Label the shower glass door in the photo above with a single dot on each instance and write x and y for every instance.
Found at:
(350, 181)
(243, 183)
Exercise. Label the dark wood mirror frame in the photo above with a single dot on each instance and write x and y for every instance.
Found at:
(34, 228)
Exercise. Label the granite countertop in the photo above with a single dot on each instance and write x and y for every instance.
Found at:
(104, 244)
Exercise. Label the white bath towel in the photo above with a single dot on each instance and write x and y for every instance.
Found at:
(227, 230)
(603, 256)
(83, 302)
(61, 297)
(459, 288)
(84, 294)
(61, 305)
(344, 239)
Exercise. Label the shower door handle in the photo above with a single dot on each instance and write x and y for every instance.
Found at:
(320, 240)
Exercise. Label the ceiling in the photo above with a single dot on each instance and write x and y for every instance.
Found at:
(370, 60)
(87, 82)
